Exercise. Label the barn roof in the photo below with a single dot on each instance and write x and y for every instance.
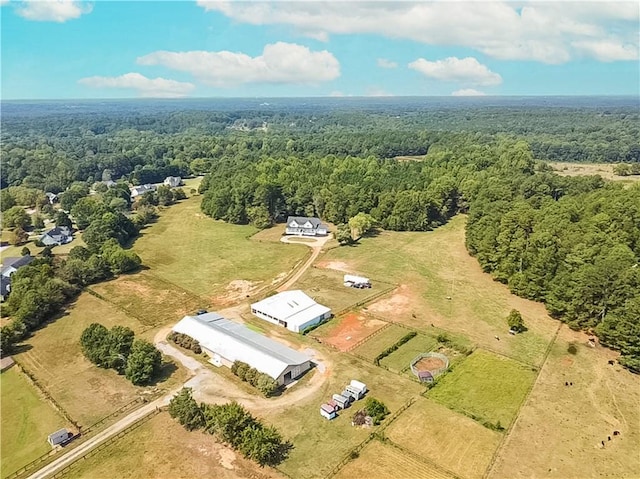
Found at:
(294, 307)
(236, 342)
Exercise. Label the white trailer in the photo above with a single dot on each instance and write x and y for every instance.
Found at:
(358, 385)
(356, 281)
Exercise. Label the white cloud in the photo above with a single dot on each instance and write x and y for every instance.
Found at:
(280, 62)
(52, 10)
(145, 87)
(465, 70)
(607, 51)
(384, 63)
(542, 31)
(468, 92)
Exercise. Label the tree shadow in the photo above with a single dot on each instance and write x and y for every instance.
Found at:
(164, 373)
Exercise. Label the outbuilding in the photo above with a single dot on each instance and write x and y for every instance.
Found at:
(292, 309)
(353, 281)
(341, 401)
(58, 437)
(328, 411)
(226, 341)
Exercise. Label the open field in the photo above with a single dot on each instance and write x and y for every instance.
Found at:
(583, 169)
(149, 299)
(452, 441)
(161, 448)
(27, 420)
(559, 431)
(485, 385)
(189, 249)
(326, 287)
(435, 265)
(381, 461)
(381, 341)
(345, 331)
(86, 392)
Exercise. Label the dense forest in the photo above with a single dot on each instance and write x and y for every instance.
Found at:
(573, 243)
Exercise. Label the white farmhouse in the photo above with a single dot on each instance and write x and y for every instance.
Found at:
(142, 189)
(304, 226)
(172, 181)
(226, 341)
(292, 309)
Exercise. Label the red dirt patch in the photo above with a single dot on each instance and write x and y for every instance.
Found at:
(337, 265)
(397, 304)
(429, 364)
(350, 329)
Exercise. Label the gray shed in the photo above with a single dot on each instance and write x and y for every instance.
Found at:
(58, 437)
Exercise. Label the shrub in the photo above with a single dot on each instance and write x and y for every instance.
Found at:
(376, 409)
(261, 381)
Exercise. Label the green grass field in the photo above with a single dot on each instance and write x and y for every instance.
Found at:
(452, 441)
(326, 286)
(150, 299)
(485, 385)
(381, 461)
(27, 420)
(381, 341)
(189, 249)
(401, 357)
(435, 265)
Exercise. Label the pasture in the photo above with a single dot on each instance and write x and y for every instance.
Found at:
(399, 360)
(27, 420)
(87, 393)
(382, 461)
(560, 429)
(586, 169)
(147, 452)
(203, 256)
(433, 266)
(485, 386)
(450, 440)
(377, 343)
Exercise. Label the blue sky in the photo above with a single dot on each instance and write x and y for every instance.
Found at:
(120, 49)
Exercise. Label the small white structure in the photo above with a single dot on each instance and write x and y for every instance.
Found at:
(172, 181)
(305, 226)
(341, 401)
(328, 411)
(58, 437)
(226, 341)
(356, 281)
(292, 309)
(356, 392)
(51, 197)
(142, 189)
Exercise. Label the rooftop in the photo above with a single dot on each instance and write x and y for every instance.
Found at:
(291, 306)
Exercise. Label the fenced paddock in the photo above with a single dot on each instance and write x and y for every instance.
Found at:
(427, 366)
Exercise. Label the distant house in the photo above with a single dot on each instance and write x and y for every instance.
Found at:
(5, 287)
(52, 197)
(58, 437)
(142, 189)
(301, 225)
(172, 181)
(57, 236)
(11, 265)
(292, 309)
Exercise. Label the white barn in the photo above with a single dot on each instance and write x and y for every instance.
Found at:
(226, 341)
(292, 309)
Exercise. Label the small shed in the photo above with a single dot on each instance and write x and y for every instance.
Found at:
(349, 395)
(328, 411)
(58, 437)
(356, 393)
(358, 385)
(341, 401)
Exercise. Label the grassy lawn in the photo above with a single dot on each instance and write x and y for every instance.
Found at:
(381, 341)
(378, 461)
(86, 392)
(27, 420)
(432, 266)
(401, 357)
(452, 441)
(326, 287)
(189, 249)
(485, 385)
(150, 299)
(13, 251)
(559, 431)
(161, 448)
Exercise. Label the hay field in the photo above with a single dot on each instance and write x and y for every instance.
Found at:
(381, 461)
(432, 266)
(559, 431)
(452, 441)
(161, 449)
(201, 255)
(486, 386)
(27, 420)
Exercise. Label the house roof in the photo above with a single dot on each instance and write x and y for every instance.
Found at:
(58, 231)
(143, 189)
(17, 262)
(315, 222)
(236, 342)
(294, 307)
(5, 285)
(328, 408)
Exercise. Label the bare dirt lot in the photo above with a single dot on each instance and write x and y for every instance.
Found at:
(344, 332)
(429, 364)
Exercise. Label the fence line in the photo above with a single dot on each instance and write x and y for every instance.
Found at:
(364, 340)
(421, 459)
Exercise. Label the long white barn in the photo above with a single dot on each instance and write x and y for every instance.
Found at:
(292, 309)
(226, 341)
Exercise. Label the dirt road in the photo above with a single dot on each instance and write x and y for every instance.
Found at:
(316, 248)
